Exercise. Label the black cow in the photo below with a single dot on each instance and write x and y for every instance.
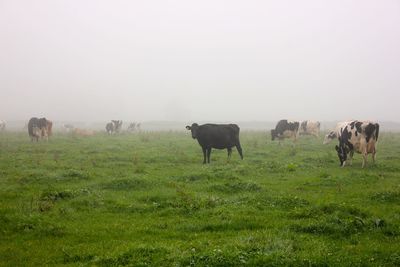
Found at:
(219, 136)
(285, 128)
(36, 128)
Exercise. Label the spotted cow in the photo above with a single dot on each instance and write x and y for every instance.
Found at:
(285, 129)
(360, 137)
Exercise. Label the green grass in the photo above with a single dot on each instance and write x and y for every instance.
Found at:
(146, 200)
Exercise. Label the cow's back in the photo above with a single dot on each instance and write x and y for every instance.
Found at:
(218, 135)
(285, 125)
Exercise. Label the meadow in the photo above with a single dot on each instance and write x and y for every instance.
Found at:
(146, 199)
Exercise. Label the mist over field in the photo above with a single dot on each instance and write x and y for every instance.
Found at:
(187, 61)
(102, 162)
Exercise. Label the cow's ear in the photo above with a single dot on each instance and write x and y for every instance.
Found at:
(337, 148)
(188, 127)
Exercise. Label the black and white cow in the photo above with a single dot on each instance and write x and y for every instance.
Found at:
(110, 128)
(285, 129)
(37, 128)
(310, 128)
(114, 126)
(219, 136)
(360, 137)
(2, 126)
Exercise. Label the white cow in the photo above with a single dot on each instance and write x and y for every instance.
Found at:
(310, 128)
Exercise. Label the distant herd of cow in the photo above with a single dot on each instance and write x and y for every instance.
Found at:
(353, 136)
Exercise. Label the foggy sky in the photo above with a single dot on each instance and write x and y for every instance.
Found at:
(199, 60)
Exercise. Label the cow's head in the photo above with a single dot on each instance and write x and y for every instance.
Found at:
(329, 137)
(273, 134)
(193, 129)
(342, 152)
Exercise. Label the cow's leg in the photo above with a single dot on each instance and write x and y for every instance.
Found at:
(351, 157)
(365, 154)
(239, 149)
(229, 153)
(204, 155)
(373, 155)
(208, 154)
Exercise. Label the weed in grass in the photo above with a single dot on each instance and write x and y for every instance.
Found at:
(192, 177)
(387, 197)
(142, 256)
(72, 175)
(125, 184)
(279, 202)
(291, 167)
(236, 187)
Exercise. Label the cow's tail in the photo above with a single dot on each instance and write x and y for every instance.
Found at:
(376, 131)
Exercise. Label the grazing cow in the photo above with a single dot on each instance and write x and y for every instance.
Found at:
(219, 136)
(310, 128)
(334, 134)
(2, 126)
(360, 137)
(37, 128)
(114, 126)
(285, 129)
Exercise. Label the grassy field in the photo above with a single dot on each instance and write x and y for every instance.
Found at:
(146, 200)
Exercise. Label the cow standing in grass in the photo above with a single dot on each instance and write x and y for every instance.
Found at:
(360, 137)
(114, 127)
(285, 129)
(219, 136)
(37, 128)
(310, 128)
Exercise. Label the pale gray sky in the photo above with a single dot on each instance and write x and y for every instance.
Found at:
(200, 60)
